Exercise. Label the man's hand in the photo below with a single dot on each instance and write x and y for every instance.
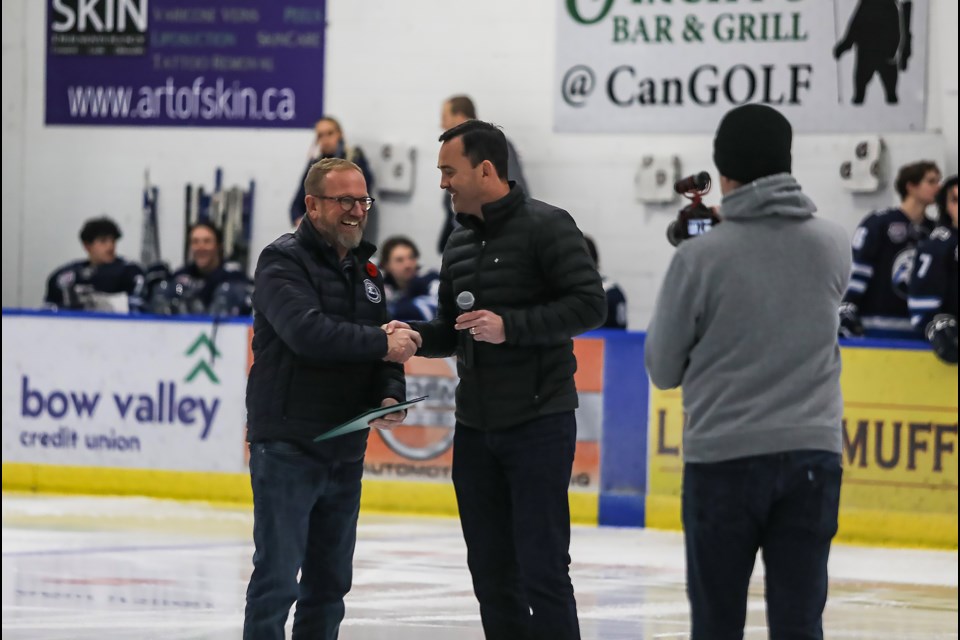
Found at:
(402, 344)
(483, 325)
(390, 420)
(394, 324)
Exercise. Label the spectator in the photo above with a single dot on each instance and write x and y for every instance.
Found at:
(875, 304)
(207, 284)
(410, 296)
(329, 142)
(933, 285)
(457, 110)
(616, 300)
(102, 282)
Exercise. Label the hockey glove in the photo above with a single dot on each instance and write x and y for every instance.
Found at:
(942, 335)
(850, 325)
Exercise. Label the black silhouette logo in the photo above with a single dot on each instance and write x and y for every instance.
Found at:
(880, 30)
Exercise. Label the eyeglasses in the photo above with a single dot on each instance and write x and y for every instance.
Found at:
(347, 202)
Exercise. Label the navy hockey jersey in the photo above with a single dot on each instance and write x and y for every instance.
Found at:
(196, 291)
(616, 306)
(418, 302)
(884, 246)
(76, 285)
(933, 285)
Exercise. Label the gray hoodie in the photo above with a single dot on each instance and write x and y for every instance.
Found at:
(746, 321)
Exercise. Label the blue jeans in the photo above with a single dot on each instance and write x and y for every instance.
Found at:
(785, 504)
(304, 519)
(515, 513)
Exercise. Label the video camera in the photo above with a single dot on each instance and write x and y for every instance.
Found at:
(694, 219)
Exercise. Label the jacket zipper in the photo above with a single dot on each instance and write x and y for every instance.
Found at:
(476, 369)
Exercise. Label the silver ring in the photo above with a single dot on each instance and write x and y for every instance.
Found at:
(473, 331)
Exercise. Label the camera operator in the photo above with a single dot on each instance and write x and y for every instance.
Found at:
(746, 321)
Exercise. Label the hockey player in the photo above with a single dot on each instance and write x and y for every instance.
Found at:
(207, 284)
(616, 299)
(933, 285)
(102, 282)
(410, 294)
(875, 304)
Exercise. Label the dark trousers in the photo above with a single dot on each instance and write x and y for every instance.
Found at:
(785, 504)
(512, 494)
(304, 519)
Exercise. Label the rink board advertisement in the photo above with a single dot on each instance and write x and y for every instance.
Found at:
(421, 450)
(124, 393)
(242, 63)
(899, 441)
(829, 65)
(102, 404)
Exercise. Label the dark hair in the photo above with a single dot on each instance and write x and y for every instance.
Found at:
(206, 224)
(392, 243)
(592, 249)
(99, 228)
(481, 141)
(913, 173)
(462, 105)
(944, 218)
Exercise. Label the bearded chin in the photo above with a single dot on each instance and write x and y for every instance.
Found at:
(349, 240)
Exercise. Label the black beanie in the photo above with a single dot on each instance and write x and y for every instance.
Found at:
(752, 141)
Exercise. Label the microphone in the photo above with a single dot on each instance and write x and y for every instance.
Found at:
(465, 302)
(698, 182)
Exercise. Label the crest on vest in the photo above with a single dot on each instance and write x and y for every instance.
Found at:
(372, 291)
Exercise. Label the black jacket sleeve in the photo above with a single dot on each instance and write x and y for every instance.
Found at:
(283, 294)
(391, 381)
(579, 303)
(439, 336)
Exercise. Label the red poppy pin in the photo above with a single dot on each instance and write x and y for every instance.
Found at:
(372, 270)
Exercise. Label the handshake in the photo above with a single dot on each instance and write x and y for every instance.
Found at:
(402, 341)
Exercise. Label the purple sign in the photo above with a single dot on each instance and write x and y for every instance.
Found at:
(236, 63)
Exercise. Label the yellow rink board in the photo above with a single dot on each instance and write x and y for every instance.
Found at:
(900, 451)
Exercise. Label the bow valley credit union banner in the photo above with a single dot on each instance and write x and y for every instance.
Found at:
(144, 394)
(678, 66)
(235, 63)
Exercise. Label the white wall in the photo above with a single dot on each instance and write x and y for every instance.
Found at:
(14, 131)
(389, 67)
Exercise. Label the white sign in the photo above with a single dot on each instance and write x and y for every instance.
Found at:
(672, 66)
(124, 392)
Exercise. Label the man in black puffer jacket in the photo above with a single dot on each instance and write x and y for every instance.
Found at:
(320, 358)
(534, 287)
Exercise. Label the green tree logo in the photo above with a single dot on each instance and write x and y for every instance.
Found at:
(202, 365)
